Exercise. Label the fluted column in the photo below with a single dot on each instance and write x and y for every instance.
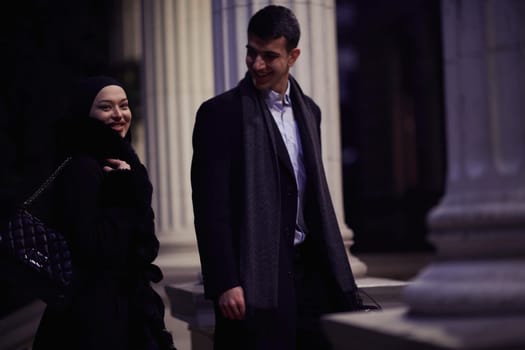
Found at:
(316, 71)
(479, 227)
(178, 76)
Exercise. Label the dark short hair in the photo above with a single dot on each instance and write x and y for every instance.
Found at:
(273, 22)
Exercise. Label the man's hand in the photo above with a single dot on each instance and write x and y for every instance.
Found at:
(231, 303)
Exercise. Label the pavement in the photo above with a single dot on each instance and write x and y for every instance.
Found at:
(178, 328)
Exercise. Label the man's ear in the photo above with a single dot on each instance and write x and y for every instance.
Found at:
(294, 54)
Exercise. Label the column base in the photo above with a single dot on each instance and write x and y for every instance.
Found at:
(359, 268)
(396, 329)
(469, 288)
(178, 260)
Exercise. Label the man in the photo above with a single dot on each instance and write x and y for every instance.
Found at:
(272, 256)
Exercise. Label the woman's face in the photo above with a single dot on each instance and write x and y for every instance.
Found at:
(111, 107)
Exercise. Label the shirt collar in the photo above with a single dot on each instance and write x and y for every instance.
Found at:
(273, 99)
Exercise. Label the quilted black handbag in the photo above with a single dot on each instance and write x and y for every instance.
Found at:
(39, 254)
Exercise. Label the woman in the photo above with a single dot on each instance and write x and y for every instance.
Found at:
(103, 205)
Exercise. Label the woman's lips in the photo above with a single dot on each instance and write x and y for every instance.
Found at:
(118, 126)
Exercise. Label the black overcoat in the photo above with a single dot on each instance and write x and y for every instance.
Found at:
(219, 198)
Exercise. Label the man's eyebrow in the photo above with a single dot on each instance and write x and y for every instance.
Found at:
(267, 52)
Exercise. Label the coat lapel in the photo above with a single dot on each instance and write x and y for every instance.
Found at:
(280, 147)
(306, 131)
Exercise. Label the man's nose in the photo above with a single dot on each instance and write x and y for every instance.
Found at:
(258, 63)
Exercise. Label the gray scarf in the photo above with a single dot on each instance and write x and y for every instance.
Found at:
(261, 228)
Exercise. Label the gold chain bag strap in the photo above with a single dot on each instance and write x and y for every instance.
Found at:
(39, 254)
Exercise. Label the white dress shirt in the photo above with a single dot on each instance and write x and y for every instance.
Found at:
(281, 110)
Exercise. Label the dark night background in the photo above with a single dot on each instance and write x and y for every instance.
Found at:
(392, 124)
(47, 45)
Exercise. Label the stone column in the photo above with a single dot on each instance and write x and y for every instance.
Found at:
(316, 71)
(473, 295)
(177, 77)
(479, 227)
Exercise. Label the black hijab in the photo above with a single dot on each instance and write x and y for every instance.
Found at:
(85, 91)
(77, 131)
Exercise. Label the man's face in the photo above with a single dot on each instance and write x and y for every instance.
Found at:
(269, 63)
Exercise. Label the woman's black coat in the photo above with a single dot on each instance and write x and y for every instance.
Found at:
(109, 222)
